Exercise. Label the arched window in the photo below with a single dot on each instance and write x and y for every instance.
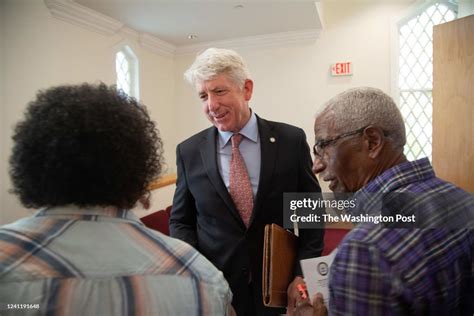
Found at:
(415, 77)
(126, 67)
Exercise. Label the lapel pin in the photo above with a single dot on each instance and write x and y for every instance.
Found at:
(272, 139)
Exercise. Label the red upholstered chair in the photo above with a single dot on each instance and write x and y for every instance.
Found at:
(168, 210)
(158, 221)
(332, 238)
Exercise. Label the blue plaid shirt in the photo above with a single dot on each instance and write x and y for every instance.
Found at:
(408, 271)
(103, 261)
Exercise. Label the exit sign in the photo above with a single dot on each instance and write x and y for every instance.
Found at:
(341, 69)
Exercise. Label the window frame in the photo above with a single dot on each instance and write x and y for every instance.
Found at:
(134, 68)
(396, 23)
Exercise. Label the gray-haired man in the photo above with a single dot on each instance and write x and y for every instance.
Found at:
(231, 179)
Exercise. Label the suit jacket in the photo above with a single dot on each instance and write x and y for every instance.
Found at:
(205, 216)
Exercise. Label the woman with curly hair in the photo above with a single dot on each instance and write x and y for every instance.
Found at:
(84, 155)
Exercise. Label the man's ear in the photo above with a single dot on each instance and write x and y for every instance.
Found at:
(248, 89)
(374, 136)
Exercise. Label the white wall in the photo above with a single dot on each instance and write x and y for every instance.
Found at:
(292, 83)
(466, 8)
(43, 51)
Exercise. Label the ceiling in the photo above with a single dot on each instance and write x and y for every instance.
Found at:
(174, 21)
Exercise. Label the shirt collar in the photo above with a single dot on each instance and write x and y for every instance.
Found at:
(401, 175)
(250, 131)
(90, 213)
(392, 179)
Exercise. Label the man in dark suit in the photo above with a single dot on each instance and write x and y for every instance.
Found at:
(231, 180)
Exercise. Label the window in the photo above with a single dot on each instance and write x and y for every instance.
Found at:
(126, 67)
(415, 77)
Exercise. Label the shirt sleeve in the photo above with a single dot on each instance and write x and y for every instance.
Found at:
(361, 282)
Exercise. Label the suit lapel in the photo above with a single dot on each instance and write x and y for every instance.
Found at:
(208, 152)
(269, 147)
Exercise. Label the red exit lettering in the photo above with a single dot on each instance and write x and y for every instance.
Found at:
(341, 69)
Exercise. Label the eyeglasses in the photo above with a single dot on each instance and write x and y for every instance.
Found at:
(318, 148)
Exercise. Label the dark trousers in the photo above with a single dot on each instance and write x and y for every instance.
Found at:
(247, 303)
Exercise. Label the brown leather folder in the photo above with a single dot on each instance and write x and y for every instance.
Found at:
(279, 255)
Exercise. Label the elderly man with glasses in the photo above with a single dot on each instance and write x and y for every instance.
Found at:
(379, 269)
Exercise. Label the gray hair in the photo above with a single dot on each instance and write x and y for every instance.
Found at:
(215, 61)
(359, 107)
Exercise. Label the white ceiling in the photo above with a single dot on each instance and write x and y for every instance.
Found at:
(173, 21)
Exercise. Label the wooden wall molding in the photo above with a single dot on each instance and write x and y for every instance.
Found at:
(261, 41)
(74, 13)
(77, 14)
(167, 179)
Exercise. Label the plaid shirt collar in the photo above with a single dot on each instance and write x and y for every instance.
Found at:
(390, 180)
(91, 213)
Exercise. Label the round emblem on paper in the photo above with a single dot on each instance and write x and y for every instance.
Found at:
(272, 139)
(323, 268)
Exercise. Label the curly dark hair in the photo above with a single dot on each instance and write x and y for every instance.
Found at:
(88, 145)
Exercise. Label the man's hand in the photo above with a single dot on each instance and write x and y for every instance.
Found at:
(293, 294)
(304, 308)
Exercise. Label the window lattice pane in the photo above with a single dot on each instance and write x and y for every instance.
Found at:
(416, 77)
(122, 68)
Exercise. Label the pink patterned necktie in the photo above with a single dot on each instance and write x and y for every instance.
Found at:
(240, 187)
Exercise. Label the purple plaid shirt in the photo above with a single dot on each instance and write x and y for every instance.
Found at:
(408, 271)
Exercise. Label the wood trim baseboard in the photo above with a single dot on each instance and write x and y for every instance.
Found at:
(167, 179)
